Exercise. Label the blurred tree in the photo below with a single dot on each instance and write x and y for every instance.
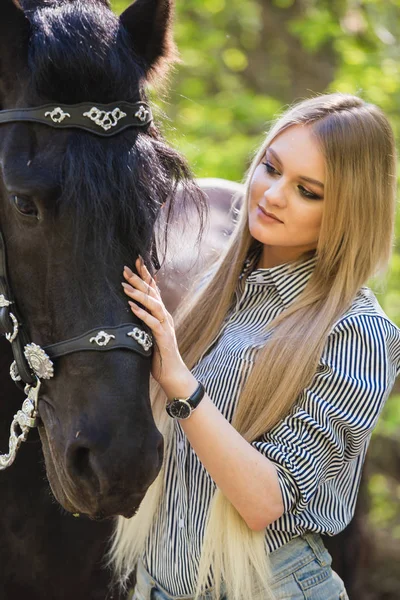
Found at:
(243, 61)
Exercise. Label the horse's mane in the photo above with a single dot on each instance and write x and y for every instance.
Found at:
(79, 51)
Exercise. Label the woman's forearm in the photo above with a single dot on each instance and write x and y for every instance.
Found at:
(246, 477)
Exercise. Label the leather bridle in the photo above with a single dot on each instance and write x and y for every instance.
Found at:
(31, 362)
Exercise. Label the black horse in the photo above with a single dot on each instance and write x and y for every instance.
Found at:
(74, 208)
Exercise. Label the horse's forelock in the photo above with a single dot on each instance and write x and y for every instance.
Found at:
(115, 196)
(79, 51)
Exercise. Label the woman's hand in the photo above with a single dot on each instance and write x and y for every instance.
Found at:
(168, 367)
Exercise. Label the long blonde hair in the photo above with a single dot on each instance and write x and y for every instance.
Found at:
(355, 243)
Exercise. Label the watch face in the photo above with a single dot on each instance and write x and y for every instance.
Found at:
(179, 409)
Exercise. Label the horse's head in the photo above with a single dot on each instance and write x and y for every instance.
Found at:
(74, 208)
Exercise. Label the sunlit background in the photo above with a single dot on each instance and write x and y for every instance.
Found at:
(242, 62)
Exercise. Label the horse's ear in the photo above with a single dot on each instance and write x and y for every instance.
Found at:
(149, 23)
(13, 21)
(14, 40)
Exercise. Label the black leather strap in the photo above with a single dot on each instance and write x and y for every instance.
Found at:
(6, 324)
(197, 396)
(102, 119)
(82, 343)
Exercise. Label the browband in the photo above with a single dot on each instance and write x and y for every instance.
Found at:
(126, 336)
(101, 119)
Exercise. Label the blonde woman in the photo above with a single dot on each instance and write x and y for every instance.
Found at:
(277, 372)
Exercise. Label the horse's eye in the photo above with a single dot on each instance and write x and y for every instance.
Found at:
(25, 206)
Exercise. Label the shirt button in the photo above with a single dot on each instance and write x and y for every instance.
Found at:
(260, 278)
(181, 523)
(181, 445)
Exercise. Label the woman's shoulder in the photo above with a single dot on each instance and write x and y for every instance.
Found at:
(366, 303)
(365, 318)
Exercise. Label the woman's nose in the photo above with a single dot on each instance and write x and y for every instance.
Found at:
(275, 194)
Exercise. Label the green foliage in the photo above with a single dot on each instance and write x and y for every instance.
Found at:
(384, 511)
(390, 421)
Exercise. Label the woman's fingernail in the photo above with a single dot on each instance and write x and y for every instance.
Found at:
(125, 285)
(133, 305)
(128, 271)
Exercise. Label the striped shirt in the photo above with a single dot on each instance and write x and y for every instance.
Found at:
(318, 449)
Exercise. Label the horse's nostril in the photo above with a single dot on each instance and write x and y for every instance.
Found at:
(81, 461)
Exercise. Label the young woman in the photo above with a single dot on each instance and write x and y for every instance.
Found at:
(277, 373)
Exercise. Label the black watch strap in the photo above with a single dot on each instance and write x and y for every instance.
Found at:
(182, 408)
(197, 396)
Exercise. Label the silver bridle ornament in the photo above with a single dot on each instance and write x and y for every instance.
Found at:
(39, 362)
(57, 115)
(142, 338)
(102, 338)
(42, 366)
(105, 119)
(4, 303)
(28, 417)
(24, 420)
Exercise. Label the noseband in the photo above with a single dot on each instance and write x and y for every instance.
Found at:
(31, 362)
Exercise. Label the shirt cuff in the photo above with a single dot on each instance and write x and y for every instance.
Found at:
(288, 488)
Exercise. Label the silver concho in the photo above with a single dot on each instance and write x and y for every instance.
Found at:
(39, 362)
(102, 338)
(11, 336)
(104, 119)
(141, 337)
(57, 115)
(14, 374)
(142, 113)
(4, 302)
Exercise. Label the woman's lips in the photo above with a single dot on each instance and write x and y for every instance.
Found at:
(267, 216)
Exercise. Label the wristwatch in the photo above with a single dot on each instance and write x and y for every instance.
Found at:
(182, 408)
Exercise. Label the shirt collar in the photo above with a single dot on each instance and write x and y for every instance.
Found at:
(289, 279)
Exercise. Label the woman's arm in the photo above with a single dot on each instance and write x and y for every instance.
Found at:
(246, 477)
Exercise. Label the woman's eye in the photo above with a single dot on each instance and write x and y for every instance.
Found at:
(307, 194)
(270, 168)
(25, 206)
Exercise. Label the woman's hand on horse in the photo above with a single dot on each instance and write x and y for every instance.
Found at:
(168, 367)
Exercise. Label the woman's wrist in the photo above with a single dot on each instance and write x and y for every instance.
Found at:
(181, 384)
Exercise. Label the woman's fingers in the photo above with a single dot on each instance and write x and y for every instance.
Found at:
(152, 322)
(144, 272)
(143, 289)
(153, 305)
(137, 282)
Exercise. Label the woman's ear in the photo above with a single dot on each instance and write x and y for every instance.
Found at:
(149, 24)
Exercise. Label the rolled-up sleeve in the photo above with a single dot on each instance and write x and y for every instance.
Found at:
(333, 418)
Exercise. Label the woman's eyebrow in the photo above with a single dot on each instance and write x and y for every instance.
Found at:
(313, 181)
(302, 177)
(274, 154)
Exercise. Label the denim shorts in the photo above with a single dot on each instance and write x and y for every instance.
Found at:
(301, 570)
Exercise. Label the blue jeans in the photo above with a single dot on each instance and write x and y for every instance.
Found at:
(301, 570)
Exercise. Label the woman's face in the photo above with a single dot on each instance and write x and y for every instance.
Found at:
(289, 185)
